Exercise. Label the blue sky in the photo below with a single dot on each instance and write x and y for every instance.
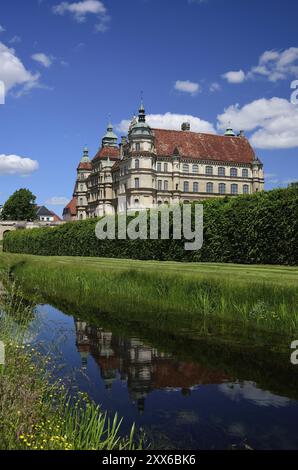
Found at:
(68, 65)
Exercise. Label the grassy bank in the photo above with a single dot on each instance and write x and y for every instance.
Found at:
(35, 411)
(260, 298)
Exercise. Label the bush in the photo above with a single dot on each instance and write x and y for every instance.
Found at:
(259, 228)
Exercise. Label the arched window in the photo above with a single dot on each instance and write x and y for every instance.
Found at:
(81, 201)
(159, 185)
(137, 202)
(138, 147)
(185, 168)
(196, 187)
(165, 185)
(209, 188)
(234, 172)
(81, 216)
(221, 188)
(209, 170)
(81, 187)
(186, 186)
(221, 171)
(234, 188)
(245, 189)
(195, 169)
(137, 164)
(245, 173)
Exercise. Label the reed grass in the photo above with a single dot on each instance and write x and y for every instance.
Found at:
(166, 295)
(36, 412)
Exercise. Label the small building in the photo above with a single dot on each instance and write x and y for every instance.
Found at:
(45, 215)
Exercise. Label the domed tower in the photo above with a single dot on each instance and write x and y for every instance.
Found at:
(110, 139)
(140, 159)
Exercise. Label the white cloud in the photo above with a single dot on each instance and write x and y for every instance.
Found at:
(235, 76)
(15, 40)
(172, 121)
(273, 65)
(214, 87)
(13, 73)
(2, 29)
(57, 201)
(187, 86)
(15, 165)
(81, 10)
(42, 59)
(274, 122)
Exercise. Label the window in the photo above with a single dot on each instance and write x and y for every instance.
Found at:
(138, 147)
(185, 168)
(165, 185)
(159, 185)
(137, 164)
(81, 187)
(165, 168)
(234, 188)
(81, 216)
(136, 202)
(186, 186)
(221, 171)
(159, 167)
(196, 187)
(221, 188)
(159, 203)
(137, 183)
(209, 188)
(245, 173)
(195, 169)
(245, 189)
(209, 170)
(234, 172)
(81, 201)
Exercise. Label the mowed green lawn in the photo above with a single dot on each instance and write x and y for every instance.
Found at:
(281, 275)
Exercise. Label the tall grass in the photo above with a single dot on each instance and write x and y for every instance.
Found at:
(165, 297)
(35, 410)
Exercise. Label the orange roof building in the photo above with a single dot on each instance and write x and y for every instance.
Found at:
(151, 167)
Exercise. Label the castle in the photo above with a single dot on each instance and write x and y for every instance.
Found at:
(151, 167)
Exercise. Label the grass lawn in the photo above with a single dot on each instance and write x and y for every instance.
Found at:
(281, 275)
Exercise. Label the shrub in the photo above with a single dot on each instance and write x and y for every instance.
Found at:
(258, 228)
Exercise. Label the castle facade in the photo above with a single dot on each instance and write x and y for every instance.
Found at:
(151, 167)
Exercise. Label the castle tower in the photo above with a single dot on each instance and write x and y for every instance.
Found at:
(81, 186)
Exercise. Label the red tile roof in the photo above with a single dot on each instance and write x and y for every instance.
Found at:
(203, 146)
(85, 166)
(112, 153)
(56, 217)
(71, 207)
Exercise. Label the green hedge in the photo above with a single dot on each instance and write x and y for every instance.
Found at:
(258, 228)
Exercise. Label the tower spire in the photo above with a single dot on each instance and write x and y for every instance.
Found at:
(85, 157)
(142, 113)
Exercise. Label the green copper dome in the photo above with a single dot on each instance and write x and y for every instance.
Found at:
(229, 132)
(110, 139)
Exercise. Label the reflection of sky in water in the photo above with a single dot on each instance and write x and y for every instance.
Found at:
(179, 403)
(249, 391)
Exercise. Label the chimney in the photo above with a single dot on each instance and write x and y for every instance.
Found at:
(185, 126)
(123, 140)
(241, 134)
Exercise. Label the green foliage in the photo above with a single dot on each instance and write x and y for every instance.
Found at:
(256, 229)
(20, 206)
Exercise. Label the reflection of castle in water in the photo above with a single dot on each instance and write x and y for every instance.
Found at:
(142, 367)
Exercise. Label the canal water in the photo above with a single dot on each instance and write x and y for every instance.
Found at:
(182, 394)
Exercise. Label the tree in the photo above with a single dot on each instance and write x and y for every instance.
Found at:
(20, 206)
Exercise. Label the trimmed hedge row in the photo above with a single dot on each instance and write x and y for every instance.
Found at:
(252, 229)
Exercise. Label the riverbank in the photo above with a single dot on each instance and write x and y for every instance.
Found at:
(262, 298)
(36, 412)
